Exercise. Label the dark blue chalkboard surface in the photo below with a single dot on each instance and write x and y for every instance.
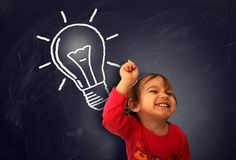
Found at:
(59, 59)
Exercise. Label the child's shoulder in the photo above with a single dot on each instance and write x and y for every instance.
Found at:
(176, 129)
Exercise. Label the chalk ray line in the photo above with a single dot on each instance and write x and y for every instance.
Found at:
(43, 38)
(113, 36)
(45, 65)
(93, 15)
(113, 64)
(62, 84)
(63, 16)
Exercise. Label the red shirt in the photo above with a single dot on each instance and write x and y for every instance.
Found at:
(142, 144)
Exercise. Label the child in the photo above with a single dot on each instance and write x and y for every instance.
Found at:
(147, 133)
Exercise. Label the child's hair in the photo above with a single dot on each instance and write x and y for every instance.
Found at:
(135, 91)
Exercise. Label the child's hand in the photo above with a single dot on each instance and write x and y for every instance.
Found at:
(129, 72)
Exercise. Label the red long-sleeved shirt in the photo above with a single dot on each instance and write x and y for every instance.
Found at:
(142, 144)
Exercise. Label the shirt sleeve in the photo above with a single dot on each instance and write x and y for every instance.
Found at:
(114, 118)
(184, 153)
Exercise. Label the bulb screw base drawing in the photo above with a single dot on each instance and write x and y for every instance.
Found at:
(95, 97)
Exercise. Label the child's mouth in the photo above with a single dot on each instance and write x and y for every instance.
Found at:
(165, 105)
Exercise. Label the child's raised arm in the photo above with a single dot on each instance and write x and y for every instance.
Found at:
(114, 118)
(128, 74)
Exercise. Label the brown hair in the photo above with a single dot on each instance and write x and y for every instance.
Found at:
(135, 91)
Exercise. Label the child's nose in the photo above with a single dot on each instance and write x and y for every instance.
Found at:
(163, 95)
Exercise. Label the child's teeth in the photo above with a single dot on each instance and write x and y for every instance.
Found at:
(162, 104)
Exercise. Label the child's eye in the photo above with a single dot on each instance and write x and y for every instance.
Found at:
(153, 91)
(170, 93)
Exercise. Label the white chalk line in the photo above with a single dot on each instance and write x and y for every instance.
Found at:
(88, 97)
(99, 101)
(89, 93)
(64, 17)
(43, 38)
(93, 15)
(45, 65)
(113, 64)
(78, 65)
(80, 84)
(62, 83)
(113, 36)
(81, 60)
(91, 100)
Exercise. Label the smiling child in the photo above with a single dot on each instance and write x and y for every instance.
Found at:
(146, 130)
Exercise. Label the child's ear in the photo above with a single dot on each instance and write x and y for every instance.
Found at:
(133, 105)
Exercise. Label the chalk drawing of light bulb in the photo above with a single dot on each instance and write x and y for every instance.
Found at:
(83, 45)
(78, 51)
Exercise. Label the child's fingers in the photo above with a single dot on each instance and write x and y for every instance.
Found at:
(132, 64)
(125, 67)
(129, 66)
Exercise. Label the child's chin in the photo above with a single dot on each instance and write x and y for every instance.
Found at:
(164, 117)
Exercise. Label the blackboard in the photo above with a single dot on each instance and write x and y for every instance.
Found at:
(45, 114)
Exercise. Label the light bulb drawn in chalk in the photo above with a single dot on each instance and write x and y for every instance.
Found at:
(78, 51)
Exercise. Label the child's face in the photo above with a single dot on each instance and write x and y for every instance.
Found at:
(155, 100)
